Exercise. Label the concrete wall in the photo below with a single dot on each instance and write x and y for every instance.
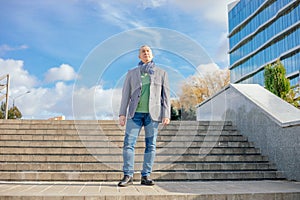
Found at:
(271, 123)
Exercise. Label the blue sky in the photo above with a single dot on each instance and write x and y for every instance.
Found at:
(46, 46)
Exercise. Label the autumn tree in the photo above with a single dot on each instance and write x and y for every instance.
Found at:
(197, 88)
(293, 96)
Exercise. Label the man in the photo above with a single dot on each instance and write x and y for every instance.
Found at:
(146, 96)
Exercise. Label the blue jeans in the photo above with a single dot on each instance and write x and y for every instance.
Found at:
(133, 128)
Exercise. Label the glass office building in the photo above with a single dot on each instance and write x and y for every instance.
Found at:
(260, 33)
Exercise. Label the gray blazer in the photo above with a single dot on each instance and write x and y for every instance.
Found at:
(159, 99)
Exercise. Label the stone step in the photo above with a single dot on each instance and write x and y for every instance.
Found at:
(114, 126)
(107, 131)
(41, 150)
(107, 144)
(116, 132)
(138, 157)
(158, 176)
(101, 122)
(163, 138)
(158, 166)
(84, 150)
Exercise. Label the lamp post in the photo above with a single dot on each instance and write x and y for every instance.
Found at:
(14, 98)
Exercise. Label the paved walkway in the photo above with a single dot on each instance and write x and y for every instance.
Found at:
(162, 190)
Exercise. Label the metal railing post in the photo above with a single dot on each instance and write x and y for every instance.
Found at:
(7, 96)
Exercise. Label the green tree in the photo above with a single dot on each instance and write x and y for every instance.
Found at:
(277, 83)
(188, 113)
(2, 111)
(13, 112)
(175, 113)
(275, 79)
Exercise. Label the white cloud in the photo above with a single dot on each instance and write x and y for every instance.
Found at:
(221, 54)
(91, 103)
(121, 15)
(47, 102)
(207, 68)
(207, 9)
(96, 103)
(117, 14)
(63, 73)
(210, 10)
(211, 16)
(152, 3)
(6, 48)
(19, 77)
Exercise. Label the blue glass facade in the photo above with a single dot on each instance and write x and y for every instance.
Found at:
(261, 32)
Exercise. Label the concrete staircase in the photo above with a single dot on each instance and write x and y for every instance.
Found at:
(43, 150)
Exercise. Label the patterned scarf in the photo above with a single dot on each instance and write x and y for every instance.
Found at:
(147, 67)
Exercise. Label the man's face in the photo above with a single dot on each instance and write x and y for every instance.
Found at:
(145, 54)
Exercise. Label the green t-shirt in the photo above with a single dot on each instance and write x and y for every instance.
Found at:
(143, 106)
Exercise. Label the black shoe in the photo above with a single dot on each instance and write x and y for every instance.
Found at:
(127, 180)
(146, 181)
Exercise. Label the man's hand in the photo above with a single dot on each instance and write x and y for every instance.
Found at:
(122, 120)
(165, 121)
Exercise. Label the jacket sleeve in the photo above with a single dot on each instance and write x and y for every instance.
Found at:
(126, 93)
(166, 103)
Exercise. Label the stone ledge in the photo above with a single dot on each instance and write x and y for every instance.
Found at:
(216, 190)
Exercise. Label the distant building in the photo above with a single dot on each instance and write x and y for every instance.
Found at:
(261, 32)
(57, 118)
